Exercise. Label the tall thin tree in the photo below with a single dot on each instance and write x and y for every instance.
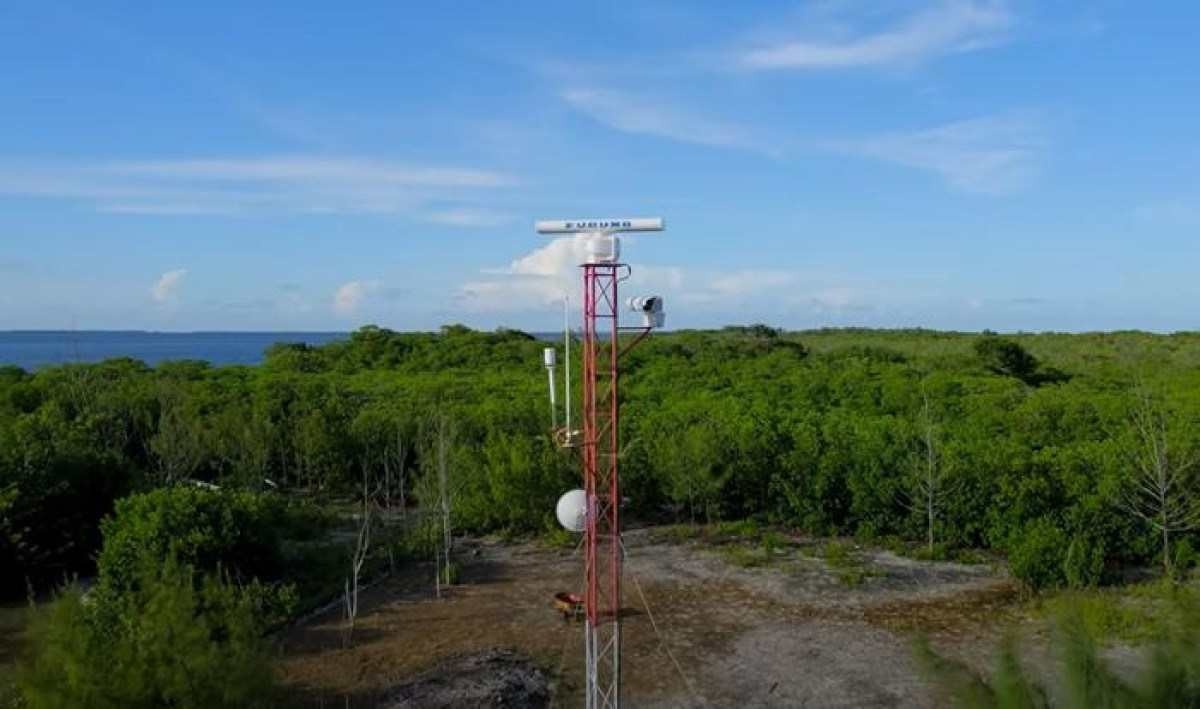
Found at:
(1162, 489)
(929, 484)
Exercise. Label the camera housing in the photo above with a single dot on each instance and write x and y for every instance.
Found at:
(651, 309)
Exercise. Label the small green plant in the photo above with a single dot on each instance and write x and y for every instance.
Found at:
(1186, 558)
(838, 554)
(746, 529)
(772, 543)
(679, 533)
(939, 552)
(1084, 562)
(847, 565)
(894, 544)
(559, 538)
(745, 556)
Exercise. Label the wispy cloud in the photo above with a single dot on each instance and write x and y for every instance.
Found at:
(469, 217)
(745, 282)
(166, 288)
(946, 27)
(990, 154)
(631, 113)
(306, 170)
(997, 154)
(249, 185)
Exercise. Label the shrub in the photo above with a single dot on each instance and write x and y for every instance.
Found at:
(1037, 554)
(239, 530)
(237, 533)
(1083, 566)
(1186, 557)
(169, 642)
(1166, 680)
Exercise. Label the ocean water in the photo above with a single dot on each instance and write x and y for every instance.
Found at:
(33, 349)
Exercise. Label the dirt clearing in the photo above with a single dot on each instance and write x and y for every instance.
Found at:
(792, 628)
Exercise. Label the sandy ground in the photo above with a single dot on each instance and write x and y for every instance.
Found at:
(787, 634)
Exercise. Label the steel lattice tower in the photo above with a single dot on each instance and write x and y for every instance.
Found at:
(600, 446)
(598, 441)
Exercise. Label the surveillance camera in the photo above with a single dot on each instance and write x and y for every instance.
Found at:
(651, 308)
(646, 304)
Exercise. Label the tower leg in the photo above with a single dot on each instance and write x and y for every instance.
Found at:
(602, 534)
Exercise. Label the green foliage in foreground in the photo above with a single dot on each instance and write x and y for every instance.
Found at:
(1169, 678)
(177, 639)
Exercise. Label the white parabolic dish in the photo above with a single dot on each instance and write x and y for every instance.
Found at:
(572, 510)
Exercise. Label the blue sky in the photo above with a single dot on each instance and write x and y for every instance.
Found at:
(950, 164)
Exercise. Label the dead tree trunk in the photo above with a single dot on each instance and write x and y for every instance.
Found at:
(443, 473)
(358, 558)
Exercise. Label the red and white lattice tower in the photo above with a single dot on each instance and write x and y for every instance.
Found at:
(599, 444)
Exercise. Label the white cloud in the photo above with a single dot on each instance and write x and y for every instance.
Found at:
(946, 27)
(290, 184)
(350, 296)
(532, 281)
(542, 277)
(168, 285)
(741, 283)
(469, 218)
(990, 155)
(629, 113)
(308, 170)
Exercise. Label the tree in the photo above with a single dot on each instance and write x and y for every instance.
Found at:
(358, 555)
(1162, 487)
(437, 493)
(178, 446)
(928, 482)
(442, 446)
(1005, 357)
(688, 458)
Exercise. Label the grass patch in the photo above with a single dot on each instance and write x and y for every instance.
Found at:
(679, 533)
(745, 529)
(846, 564)
(941, 551)
(12, 629)
(1137, 613)
(745, 556)
(559, 538)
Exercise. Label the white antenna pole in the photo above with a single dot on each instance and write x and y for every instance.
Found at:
(549, 359)
(567, 357)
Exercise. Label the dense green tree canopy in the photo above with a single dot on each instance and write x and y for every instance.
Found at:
(815, 429)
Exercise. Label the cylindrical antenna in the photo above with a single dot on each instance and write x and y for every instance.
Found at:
(567, 357)
(550, 358)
